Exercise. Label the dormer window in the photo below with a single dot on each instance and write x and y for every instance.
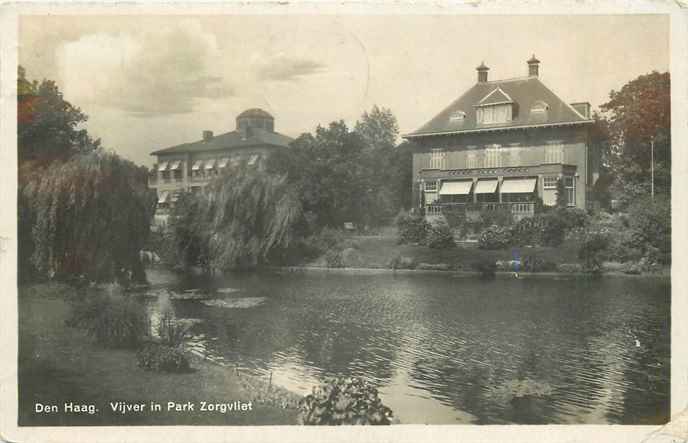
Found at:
(457, 116)
(539, 111)
(495, 107)
(492, 114)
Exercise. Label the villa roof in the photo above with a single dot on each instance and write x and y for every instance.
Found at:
(230, 140)
(522, 92)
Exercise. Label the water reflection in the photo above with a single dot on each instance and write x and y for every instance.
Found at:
(450, 350)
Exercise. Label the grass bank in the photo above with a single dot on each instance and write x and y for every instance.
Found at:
(58, 364)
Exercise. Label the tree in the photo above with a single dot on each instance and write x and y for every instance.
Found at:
(378, 129)
(237, 221)
(354, 176)
(89, 215)
(48, 126)
(635, 117)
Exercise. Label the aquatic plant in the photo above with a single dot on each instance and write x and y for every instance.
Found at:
(344, 401)
(162, 358)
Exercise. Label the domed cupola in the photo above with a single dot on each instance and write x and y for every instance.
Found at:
(254, 119)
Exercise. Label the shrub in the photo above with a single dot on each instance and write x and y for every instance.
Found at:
(650, 225)
(334, 258)
(162, 358)
(440, 236)
(325, 240)
(569, 268)
(593, 251)
(528, 231)
(344, 401)
(532, 263)
(487, 268)
(495, 237)
(114, 321)
(499, 217)
(401, 262)
(171, 332)
(412, 228)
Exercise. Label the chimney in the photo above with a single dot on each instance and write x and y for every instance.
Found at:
(533, 67)
(482, 72)
(207, 135)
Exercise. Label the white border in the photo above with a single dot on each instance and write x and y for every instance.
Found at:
(676, 431)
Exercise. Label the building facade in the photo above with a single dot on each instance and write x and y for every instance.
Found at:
(504, 144)
(190, 166)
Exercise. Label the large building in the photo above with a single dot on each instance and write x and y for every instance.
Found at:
(190, 166)
(504, 143)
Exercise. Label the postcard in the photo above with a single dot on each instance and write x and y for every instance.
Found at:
(267, 221)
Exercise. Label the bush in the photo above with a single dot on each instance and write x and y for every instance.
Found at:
(171, 332)
(593, 251)
(495, 237)
(528, 231)
(334, 258)
(532, 263)
(162, 358)
(412, 228)
(344, 401)
(650, 225)
(569, 268)
(114, 321)
(440, 236)
(487, 268)
(401, 262)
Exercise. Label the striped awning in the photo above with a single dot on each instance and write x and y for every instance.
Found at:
(518, 185)
(198, 164)
(175, 165)
(486, 186)
(163, 166)
(223, 162)
(210, 164)
(456, 188)
(162, 197)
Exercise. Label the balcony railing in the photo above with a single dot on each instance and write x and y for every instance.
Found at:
(518, 210)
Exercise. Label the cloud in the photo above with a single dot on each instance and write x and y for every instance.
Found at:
(164, 71)
(284, 68)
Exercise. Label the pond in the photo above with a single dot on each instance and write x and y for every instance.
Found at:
(447, 349)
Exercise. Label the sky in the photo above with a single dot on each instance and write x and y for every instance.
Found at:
(150, 82)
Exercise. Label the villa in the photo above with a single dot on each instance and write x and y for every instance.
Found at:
(504, 144)
(190, 166)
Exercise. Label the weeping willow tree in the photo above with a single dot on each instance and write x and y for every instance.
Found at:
(87, 216)
(237, 221)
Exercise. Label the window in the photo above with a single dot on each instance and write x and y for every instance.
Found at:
(457, 116)
(514, 156)
(494, 114)
(430, 186)
(493, 156)
(539, 111)
(471, 160)
(550, 182)
(570, 185)
(554, 153)
(438, 159)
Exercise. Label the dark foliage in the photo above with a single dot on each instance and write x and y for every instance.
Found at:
(412, 228)
(113, 321)
(495, 237)
(440, 236)
(162, 358)
(486, 267)
(344, 401)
